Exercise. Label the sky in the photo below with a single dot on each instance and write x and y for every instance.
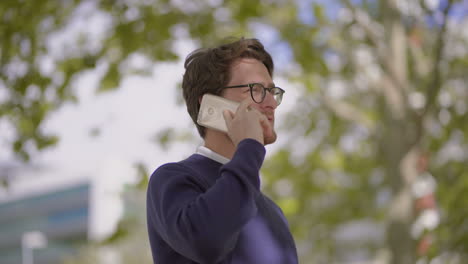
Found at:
(127, 120)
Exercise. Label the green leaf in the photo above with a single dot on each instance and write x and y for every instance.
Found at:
(111, 79)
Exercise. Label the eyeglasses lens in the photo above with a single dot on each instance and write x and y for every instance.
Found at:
(258, 93)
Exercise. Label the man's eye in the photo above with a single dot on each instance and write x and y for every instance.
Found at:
(257, 88)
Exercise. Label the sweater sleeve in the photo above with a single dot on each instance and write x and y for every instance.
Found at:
(204, 226)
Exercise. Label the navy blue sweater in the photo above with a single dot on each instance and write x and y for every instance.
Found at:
(201, 211)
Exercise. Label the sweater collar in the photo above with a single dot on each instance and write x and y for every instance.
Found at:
(204, 151)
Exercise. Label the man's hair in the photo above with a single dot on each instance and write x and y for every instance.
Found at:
(207, 70)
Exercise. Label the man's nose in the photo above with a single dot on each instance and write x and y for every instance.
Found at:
(269, 100)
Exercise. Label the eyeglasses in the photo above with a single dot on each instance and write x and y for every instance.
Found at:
(258, 92)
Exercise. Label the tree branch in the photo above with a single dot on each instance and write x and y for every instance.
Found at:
(367, 24)
(435, 84)
(347, 112)
(375, 36)
(422, 65)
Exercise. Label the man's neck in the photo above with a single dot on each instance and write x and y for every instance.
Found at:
(220, 143)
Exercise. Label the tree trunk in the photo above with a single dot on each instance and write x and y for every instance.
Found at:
(399, 154)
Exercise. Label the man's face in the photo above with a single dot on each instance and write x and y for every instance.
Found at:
(245, 71)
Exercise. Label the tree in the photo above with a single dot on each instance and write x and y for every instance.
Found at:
(379, 79)
(383, 82)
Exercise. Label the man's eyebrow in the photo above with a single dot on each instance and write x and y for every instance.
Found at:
(272, 84)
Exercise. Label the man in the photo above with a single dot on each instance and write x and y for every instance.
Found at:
(209, 208)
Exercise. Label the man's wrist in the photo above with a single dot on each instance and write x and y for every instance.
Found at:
(252, 150)
(249, 141)
(248, 160)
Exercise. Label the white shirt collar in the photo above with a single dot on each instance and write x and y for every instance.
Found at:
(204, 151)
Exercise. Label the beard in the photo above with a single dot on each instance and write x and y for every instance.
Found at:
(270, 137)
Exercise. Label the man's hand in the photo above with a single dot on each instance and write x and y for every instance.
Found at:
(247, 122)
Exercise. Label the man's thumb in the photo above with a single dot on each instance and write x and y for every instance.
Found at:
(228, 116)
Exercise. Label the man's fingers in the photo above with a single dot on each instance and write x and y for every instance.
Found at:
(244, 105)
(266, 125)
(228, 116)
(264, 122)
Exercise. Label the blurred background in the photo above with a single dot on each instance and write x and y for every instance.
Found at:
(371, 161)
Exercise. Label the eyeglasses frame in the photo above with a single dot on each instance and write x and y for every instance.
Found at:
(269, 89)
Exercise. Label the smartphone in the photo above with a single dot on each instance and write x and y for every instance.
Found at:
(211, 111)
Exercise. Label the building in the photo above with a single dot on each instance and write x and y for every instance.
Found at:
(60, 215)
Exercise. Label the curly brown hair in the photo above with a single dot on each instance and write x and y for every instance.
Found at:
(207, 70)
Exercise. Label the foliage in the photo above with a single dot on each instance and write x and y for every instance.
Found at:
(382, 82)
(32, 92)
(388, 79)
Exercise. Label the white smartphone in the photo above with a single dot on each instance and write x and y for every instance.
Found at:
(211, 111)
